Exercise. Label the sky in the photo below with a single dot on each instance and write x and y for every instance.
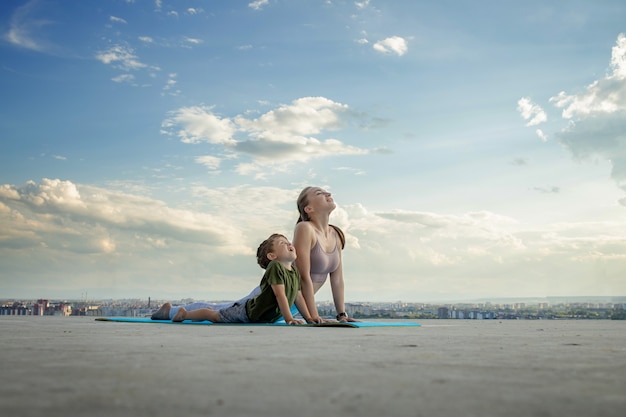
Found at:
(474, 149)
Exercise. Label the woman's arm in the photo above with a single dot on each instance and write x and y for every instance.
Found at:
(337, 287)
(302, 308)
(303, 241)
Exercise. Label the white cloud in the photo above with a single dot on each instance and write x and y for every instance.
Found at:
(194, 41)
(304, 116)
(171, 81)
(9, 192)
(618, 57)
(170, 84)
(531, 112)
(604, 96)
(275, 139)
(25, 29)
(107, 245)
(541, 135)
(80, 236)
(79, 213)
(466, 253)
(117, 19)
(211, 162)
(198, 124)
(53, 193)
(120, 57)
(394, 44)
(146, 39)
(124, 78)
(597, 117)
(96, 235)
(258, 4)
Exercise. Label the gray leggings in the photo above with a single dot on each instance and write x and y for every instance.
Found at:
(216, 306)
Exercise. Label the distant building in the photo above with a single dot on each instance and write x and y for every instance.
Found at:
(39, 309)
(14, 309)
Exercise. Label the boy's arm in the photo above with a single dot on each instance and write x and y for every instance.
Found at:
(283, 304)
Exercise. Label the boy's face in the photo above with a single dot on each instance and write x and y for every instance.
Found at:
(283, 250)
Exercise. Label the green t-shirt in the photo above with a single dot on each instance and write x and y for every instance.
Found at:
(264, 308)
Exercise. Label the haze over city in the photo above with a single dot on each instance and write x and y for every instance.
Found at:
(474, 149)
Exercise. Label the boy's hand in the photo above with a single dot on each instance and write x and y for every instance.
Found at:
(294, 321)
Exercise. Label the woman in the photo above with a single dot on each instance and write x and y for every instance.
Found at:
(318, 247)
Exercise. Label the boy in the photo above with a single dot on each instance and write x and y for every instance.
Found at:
(280, 288)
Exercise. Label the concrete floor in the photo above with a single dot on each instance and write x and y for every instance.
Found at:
(65, 366)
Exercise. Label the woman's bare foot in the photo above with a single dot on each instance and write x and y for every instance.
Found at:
(162, 313)
(180, 314)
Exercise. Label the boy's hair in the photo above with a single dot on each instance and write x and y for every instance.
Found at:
(266, 247)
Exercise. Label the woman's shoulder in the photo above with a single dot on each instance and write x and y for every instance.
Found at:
(304, 229)
(304, 235)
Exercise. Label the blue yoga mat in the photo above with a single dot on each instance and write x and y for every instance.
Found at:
(278, 323)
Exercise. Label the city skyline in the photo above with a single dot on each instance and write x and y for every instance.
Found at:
(474, 150)
(552, 300)
(597, 308)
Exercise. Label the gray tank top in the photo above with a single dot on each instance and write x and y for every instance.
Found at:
(323, 263)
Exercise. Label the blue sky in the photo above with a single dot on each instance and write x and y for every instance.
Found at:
(474, 149)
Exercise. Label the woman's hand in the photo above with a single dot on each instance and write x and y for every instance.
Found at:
(346, 319)
(315, 320)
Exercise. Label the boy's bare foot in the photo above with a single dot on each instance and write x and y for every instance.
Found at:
(180, 314)
(162, 313)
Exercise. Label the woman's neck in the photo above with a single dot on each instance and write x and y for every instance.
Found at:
(321, 224)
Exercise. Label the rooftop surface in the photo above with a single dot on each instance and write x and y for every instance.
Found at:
(60, 366)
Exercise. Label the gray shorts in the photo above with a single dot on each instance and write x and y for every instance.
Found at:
(234, 314)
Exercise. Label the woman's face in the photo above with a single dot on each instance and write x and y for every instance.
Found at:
(320, 200)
